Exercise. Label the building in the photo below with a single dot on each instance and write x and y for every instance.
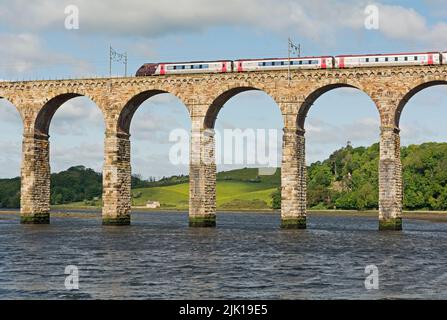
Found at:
(153, 204)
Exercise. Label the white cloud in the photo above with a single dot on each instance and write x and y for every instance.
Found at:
(317, 20)
(26, 53)
(78, 116)
(401, 23)
(89, 155)
(10, 158)
(323, 133)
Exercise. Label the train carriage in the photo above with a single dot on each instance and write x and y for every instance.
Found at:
(380, 60)
(444, 58)
(149, 69)
(325, 62)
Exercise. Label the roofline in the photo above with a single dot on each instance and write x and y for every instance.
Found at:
(387, 54)
(291, 58)
(186, 62)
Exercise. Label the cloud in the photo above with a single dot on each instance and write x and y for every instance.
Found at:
(319, 19)
(77, 116)
(407, 24)
(156, 165)
(157, 117)
(26, 53)
(89, 155)
(10, 158)
(323, 133)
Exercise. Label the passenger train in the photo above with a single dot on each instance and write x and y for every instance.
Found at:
(325, 62)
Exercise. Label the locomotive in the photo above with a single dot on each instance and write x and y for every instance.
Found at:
(324, 62)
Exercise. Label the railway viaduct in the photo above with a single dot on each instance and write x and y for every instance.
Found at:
(204, 95)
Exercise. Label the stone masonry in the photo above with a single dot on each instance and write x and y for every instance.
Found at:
(204, 95)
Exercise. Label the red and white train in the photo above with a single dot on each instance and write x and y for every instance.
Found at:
(325, 62)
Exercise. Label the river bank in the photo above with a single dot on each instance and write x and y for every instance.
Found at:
(89, 212)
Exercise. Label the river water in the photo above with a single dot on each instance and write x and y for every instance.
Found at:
(246, 257)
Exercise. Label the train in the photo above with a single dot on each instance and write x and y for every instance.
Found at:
(323, 62)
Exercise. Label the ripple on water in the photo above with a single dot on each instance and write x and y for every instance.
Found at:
(246, 257)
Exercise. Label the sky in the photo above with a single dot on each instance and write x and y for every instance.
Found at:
(37, 45)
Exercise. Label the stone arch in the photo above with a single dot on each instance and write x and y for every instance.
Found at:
(218, 103)
(46, 113)
(131, 106)
(310, 99)
(412, 92)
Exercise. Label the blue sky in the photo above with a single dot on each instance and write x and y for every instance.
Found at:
(36, 44)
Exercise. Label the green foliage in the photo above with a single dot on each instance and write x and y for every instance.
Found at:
(276, 199)
(77, 184)
(348, 179)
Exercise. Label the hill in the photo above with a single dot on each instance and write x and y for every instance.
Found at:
(348, 179)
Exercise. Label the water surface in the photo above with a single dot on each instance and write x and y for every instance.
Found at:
(246, 257)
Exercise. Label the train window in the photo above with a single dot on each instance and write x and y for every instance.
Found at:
(377, 59)
(386, 59)
(406, 58)
(367, 59)
(415, 58)
(205, 66)
(396, 59)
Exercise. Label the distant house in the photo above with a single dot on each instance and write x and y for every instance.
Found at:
(153, 204)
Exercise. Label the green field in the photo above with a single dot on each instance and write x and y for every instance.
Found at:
(239, 189)
(230, 195)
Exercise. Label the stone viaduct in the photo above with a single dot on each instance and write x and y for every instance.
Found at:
(204, 95)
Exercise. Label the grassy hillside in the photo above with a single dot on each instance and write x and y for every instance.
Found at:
(239, 189)
(348, 179)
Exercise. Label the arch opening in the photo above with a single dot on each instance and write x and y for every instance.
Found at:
(158, 125)
(248, 127)
(43, 120)
(220, 101)
(313, 97)
(133, 105)
(342, 149)
(410, 94)
(76, 152)
(421, 118)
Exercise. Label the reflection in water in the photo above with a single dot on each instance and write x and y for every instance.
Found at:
(246, 257)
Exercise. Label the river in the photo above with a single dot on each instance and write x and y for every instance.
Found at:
(246, 257)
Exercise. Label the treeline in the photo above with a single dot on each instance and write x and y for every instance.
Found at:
(349, 179)
(73, 185)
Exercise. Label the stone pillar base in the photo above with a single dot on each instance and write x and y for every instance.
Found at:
(393, 224)
(202, 221)
(39, 218)
(294, 223)
(116, 221)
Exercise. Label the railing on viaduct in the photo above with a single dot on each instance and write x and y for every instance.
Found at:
(204, 95)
